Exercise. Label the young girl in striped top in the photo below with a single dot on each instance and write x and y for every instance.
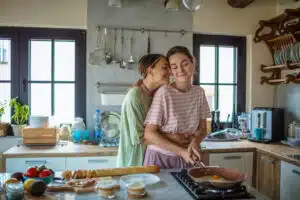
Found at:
(179, 108)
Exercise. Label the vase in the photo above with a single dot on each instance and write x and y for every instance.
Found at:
(17, 129)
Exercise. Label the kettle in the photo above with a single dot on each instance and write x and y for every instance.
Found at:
(65, 132)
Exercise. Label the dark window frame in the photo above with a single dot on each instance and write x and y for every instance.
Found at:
(222, 40)
(20, 37)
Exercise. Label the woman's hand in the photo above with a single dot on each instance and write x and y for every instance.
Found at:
(179, 139)
(194, 150)
(187, 157)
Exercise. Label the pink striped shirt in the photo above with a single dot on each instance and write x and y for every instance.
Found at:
(177, 112)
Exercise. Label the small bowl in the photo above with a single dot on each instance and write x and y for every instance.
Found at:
(46, 180)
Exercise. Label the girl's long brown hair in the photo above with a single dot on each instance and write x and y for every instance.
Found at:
(145, 62)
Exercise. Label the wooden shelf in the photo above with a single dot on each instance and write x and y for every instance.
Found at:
(287, 66)
(284, 35)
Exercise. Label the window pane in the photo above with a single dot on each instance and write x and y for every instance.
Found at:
(207, 64)
(40, 99)
(226, 64)
(64, 60)
(5, 59)
(5, 97)
(64, 102)
(226, 102)
(210, 95)
(40, 60)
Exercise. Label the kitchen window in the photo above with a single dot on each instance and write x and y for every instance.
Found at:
(50, 69)
(221, 72)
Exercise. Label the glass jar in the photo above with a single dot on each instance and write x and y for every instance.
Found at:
(14, 191)
(106, 188)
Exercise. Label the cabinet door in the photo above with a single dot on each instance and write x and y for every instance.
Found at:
(268, 176)
(75, 163)
(21, 164)
(242, 162)
(289, 181)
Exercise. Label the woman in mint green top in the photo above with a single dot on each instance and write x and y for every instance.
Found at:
(154, 70)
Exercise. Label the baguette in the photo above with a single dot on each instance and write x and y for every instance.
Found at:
(80, 174)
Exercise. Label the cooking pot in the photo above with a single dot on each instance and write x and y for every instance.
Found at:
(233, 178)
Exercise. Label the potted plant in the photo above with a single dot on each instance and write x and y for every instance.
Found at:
(20, 116)
(3, 126)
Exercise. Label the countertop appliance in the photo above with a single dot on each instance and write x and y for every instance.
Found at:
(198, 191)
(270, 123)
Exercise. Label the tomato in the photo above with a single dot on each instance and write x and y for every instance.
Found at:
(32, 172)
(45, 173)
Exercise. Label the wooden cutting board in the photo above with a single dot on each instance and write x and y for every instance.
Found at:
(78, 190)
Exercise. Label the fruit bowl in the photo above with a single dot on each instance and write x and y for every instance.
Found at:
(46, 180)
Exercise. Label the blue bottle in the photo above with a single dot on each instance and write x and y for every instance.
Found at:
(97, 126)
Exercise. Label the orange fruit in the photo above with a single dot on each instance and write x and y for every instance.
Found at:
(28, 183)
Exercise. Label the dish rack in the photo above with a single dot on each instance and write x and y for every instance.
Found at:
(39, 136)
(283, 42)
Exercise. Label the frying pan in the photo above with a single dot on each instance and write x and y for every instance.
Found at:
(232, 177)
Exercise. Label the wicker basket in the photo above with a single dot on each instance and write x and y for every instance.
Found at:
(39, 136)
(3, 129)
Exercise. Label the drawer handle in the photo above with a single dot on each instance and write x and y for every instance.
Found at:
(36, 162)
(232, 157)
(296, 172)
(98, 161)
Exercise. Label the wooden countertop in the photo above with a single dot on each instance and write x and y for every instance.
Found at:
(69, 149)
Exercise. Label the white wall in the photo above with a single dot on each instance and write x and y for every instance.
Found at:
(217, 17)
(44, 13)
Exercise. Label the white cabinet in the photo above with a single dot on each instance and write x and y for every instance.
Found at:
(242, 161)
(21, 164)
(289, 181)
(74, 163)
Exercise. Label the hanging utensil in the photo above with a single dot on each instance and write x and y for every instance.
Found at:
(192, 5)
(107, 54)
(96, 56)
(123, 63)
(131, 58)
(115, 60)
(148, 43)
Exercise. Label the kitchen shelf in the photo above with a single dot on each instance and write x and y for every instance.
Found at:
(288, 66)
(281, 40)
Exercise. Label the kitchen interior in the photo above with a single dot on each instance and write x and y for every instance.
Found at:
(260, 138)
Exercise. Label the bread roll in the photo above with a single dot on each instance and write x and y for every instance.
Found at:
(115, 171)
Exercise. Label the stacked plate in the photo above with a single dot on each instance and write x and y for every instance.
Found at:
(110, 124)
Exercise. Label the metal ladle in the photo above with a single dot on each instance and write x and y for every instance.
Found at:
(115, 60)
(107, 54)
(131, 58)
(123, 63)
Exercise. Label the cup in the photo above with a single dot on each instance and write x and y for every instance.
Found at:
(259, 133)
